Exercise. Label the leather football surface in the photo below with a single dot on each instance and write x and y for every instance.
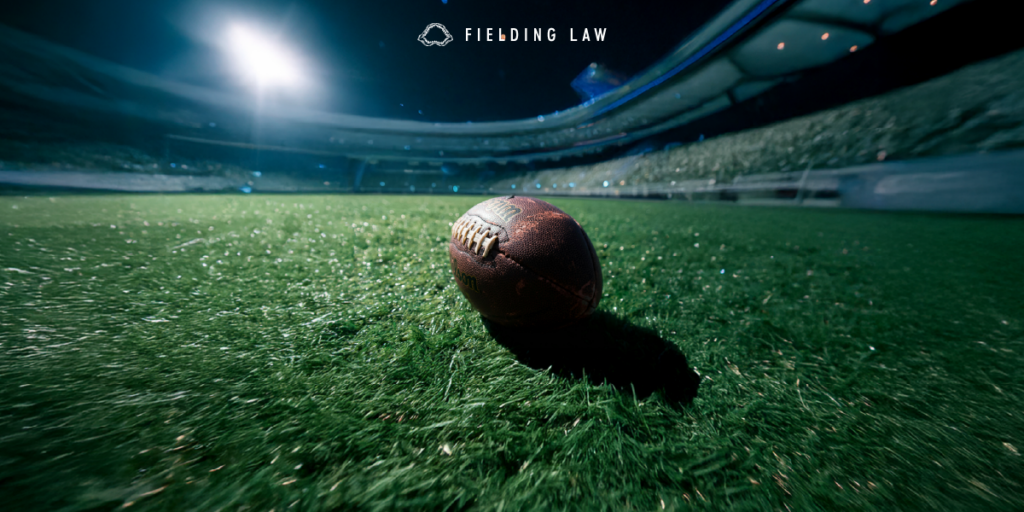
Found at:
(521, 261)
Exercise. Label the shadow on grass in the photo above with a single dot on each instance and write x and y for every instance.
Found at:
(605, 348)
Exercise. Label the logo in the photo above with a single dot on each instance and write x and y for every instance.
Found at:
(433, 41)
(467, 280)
(503, 209)
(431, 37)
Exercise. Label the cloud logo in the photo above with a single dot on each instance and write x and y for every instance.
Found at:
(429, 42)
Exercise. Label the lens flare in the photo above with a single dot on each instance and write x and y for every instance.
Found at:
(262, 60)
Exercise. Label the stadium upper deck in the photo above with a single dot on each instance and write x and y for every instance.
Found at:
(746, 50)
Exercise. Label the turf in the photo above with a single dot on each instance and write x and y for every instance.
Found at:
(313, 353)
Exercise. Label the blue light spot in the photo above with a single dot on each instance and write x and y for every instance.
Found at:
(407, 148)
(401, 104)
(247, 189)
(538, 185)
(321, 166)
(555, 185)
(213, 125)
(513, 185)
(382, 183)
(721, 271)
(455, 188)
(254, 173)
(605, 184)
(540, 119)
(420, 112)
(701, 139)
(444, 2)
(572, 185)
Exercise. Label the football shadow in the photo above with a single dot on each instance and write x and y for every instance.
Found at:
(605, 348)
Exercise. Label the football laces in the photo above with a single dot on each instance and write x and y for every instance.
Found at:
(476, 235)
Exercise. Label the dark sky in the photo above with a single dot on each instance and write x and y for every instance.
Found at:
(367, 58)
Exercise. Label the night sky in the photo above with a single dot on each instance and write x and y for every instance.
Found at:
(365, 55)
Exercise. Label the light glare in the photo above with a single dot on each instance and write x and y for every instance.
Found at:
(263, 61)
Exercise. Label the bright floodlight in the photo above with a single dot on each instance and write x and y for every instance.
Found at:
(262, 60)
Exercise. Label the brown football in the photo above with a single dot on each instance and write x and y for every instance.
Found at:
(522, 262)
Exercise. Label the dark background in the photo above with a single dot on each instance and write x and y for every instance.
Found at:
(368, 59)
(370, 63)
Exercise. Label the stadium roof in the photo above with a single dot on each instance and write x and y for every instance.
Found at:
(747, 49)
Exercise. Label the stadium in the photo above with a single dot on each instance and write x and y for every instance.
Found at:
(226, 285)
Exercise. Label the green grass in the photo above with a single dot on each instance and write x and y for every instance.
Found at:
(312, 352)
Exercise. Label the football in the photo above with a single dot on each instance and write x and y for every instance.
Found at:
(523, 262)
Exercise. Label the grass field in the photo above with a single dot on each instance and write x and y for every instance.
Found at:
(312, 352)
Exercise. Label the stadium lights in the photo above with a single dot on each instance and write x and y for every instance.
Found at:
(262, 60)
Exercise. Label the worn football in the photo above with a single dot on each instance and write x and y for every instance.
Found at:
(522, 262)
